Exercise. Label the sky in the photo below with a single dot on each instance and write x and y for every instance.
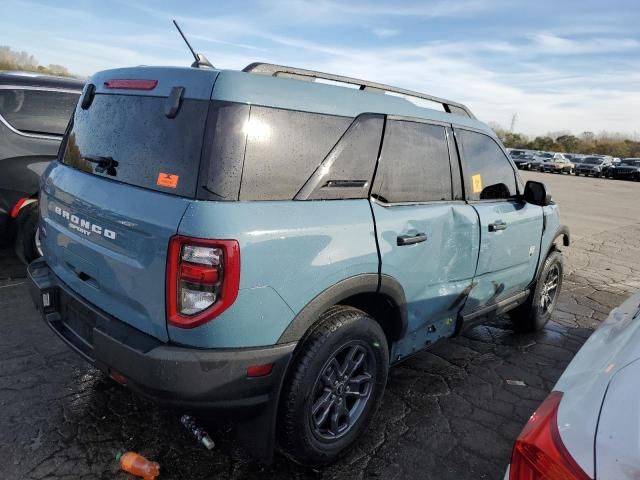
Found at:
(557, 65)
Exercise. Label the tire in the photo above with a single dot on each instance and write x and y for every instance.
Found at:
(26, 244)
(314, 378)
(532, 316)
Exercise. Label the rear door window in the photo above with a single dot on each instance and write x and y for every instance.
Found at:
(488, 172)
(151, 150)
(45, 112)
(414, 164)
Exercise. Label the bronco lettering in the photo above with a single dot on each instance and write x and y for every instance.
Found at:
(84, 226)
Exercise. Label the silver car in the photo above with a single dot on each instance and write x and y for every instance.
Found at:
(589, 425)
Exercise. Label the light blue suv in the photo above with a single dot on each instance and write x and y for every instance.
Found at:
(267, 243)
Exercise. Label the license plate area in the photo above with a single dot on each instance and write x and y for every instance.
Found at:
(75, 323)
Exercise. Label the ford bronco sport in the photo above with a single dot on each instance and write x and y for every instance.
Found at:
(261, 242)
(34, 112)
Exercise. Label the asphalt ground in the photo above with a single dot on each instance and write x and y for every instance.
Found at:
(448, 413)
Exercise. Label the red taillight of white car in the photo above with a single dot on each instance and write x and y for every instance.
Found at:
(539, 453)
(203, 277)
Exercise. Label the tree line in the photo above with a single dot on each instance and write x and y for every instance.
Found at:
(605, 143)
(13, 60)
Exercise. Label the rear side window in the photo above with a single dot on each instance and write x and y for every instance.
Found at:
(37, 111)
(284, 148)
(151, 150)
(414, 164)
(489, 175)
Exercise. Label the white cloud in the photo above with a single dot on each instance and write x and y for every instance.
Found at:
(385, 32)
(557, 45)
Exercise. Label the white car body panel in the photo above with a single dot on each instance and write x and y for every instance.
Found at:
(618, 437)
(614, 345)
(611, 352)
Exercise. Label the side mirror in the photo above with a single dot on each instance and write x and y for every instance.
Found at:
(535, 193)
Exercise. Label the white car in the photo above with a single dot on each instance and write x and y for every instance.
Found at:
(589, 425)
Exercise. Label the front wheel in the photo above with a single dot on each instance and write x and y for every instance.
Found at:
(534, 314)
(334, 386)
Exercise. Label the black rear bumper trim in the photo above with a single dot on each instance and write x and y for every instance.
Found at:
(169, 374)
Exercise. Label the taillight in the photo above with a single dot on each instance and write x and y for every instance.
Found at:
(203, 277)
(126, 84)
(539, 453)
(16, 208)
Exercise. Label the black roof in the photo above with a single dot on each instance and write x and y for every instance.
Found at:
(34, 79)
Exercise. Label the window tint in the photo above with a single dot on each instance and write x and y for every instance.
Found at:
(414, 164)
(37, 111)
(151, 150)
(489, 174)
(283, 149)
(223, 151)
(347, 170)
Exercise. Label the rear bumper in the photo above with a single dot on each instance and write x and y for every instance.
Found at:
(170, 374)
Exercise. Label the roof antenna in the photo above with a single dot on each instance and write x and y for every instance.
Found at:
(201, 60)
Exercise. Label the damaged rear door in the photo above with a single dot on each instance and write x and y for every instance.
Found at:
(427, 235)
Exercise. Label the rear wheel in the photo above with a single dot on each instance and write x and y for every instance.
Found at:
(334, 386)
(534, 314)
(27, 239)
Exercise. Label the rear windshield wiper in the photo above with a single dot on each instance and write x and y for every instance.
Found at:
(107, 164)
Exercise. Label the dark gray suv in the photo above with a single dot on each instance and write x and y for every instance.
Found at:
(34, 112)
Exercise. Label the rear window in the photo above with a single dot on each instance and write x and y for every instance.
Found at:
(151, 150)
(37, 111)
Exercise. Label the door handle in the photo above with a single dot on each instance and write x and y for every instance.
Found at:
(411, 239)
(497, 225)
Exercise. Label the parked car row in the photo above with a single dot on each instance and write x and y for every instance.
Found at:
(600, 166)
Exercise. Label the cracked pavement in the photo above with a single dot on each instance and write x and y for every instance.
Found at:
(448, 413)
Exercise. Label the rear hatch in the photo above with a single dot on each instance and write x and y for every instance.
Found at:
(127, 173)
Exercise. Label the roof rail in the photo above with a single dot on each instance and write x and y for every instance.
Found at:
(302, 74)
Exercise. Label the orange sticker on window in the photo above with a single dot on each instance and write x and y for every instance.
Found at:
(167, 180)
(476, 183)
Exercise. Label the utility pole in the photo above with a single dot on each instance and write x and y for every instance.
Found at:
(514, 117)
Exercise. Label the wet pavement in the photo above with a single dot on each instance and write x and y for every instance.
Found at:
(448, 413)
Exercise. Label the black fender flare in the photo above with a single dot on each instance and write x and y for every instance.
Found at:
(333, 295)
(562, 231)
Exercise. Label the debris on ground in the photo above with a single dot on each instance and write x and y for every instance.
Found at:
(200, 433)
(517, 383)
(137, 465)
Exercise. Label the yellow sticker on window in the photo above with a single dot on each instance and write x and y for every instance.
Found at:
(476, 182)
